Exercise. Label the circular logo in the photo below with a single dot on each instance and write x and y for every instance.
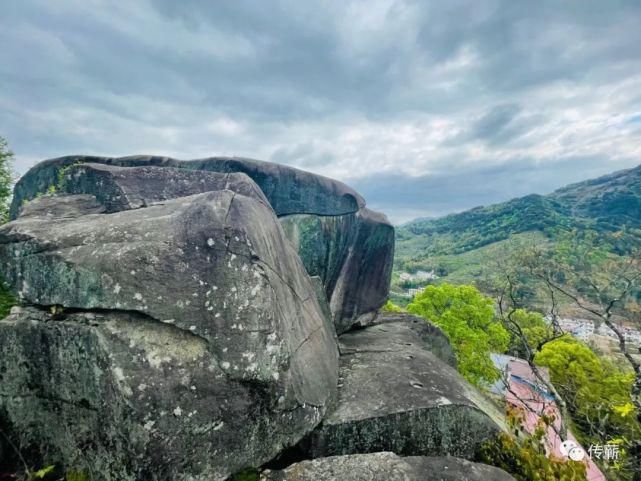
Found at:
(567, 446)
(577, 454)
(572, 450)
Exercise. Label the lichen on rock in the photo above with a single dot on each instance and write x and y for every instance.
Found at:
(191, 323)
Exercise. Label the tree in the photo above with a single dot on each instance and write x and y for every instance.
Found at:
(6, 179)
(391, 307)
(589, 383)
(534, 332)
(468, 319)
(528, 331)
(580, 270)
(595, 281)
(598, 397)
(524, 455)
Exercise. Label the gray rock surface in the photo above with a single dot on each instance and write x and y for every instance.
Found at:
(385, 466)
(406, 328)
(338, 239)
(125, 188)
(174, 331)
(52, 206)
(289, 190)
(352, 254)
(394, 395)
(207, 344)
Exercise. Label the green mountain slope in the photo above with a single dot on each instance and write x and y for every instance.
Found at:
(459, 246)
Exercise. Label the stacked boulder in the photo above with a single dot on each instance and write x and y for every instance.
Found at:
(336, 236)
(180, 321)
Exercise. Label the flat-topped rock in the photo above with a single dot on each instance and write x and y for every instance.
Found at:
(289, 190)
(406, 328)
(125, 188)
(394, 395)
(205, 351)
(386, 466)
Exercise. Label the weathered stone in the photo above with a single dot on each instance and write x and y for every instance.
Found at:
(348, 246)
(396, 396)
(124, 188)
(289, 190)
(406, 328)
(387, 466)
(50, 206)
(212, 273)
(448, 468)
(353, 256)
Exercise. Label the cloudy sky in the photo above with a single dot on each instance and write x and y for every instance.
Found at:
(425, 107)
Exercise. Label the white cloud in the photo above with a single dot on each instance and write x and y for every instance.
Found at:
(421, 90)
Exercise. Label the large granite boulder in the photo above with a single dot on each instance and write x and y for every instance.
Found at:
(387, 466)
(185, 340)
(338, 239)
(395, 395)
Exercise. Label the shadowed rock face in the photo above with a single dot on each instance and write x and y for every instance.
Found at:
(387, 466)
(339, 240)
(205, 349)
(394, 395)
(353, 256)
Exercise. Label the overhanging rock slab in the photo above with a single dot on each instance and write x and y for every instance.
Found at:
(338, 239)
(289, 190)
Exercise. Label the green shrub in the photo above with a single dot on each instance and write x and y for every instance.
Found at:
(523, 455)
(249, 474)
(7, 300)
(76, 476)
(391, 307)
(467, 318)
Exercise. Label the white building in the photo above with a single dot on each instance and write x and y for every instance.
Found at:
(425, 276)
(413, 292)
(631, 336)
(582, 329)
(604, 330)
(419, 276)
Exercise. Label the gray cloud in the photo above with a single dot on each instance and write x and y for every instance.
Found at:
(495, 122)
(451, 97)
(499, 125)
(405, 197)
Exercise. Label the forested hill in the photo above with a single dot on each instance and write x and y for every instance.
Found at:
(458, 245)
